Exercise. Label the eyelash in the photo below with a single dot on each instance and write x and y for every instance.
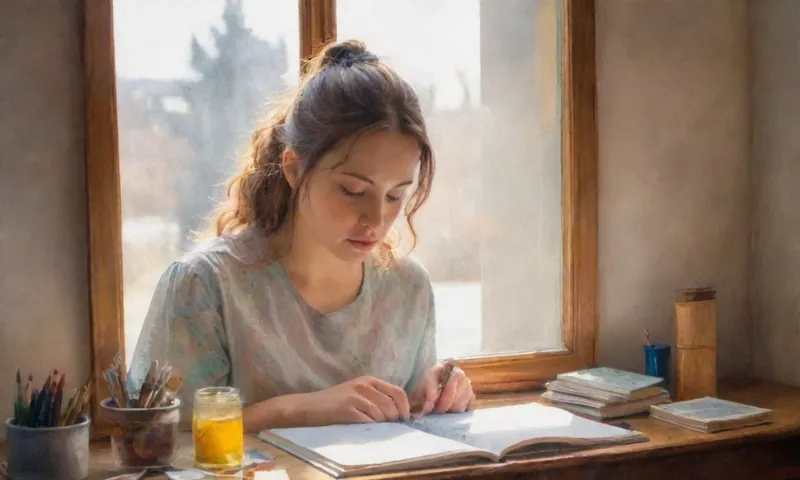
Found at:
(361, 194)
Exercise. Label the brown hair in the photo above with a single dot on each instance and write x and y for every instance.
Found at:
(345, 91)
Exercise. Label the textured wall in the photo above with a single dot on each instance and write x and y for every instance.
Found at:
(775, 33)
(674, 180)
(674, 202)
(44, 304)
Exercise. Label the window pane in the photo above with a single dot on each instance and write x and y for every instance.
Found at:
(488, 72)
(191, 78)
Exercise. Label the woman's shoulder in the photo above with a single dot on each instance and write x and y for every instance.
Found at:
(407, 270)
(211, 257)
(246, 247)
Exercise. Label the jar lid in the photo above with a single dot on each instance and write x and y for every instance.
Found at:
(696, 293)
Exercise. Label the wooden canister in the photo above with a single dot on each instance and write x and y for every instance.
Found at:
(696, 343)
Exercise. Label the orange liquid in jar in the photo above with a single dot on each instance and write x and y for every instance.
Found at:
(218, 442)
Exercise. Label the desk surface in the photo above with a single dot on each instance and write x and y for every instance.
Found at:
(664, 439)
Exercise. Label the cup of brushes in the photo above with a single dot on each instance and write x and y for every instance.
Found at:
(144, 429)
(48, 437)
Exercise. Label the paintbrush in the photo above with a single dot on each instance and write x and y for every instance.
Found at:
(36, 407)
(161, 386)
(123, 381)
(55, 414)
(19, 402)
(146, 392)
(110, 377)
(76, 405)
(81, 399)
(31, 406)
(67, 411)
(28, 386)
(171, 389)
(36, 404)
(53, 389)
(44, 407)
(87, 394)
(41, 403)
(48, 380)
(27, 399)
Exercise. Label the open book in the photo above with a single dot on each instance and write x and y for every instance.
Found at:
(489, 434)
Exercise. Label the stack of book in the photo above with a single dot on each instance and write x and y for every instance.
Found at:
(605, 393)
(711, 415)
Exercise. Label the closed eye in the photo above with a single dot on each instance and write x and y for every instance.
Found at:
(351, 193)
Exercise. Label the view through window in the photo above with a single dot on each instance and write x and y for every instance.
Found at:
(194, 76)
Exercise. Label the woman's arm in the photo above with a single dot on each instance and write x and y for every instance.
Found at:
(426, 355)
(424, 386)
(361, 400)
(277, 412)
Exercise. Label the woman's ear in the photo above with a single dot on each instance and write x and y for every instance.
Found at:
(290, 164)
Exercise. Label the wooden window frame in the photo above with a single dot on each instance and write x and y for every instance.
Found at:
(496, 373)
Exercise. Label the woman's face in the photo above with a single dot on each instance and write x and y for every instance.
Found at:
(357, 191)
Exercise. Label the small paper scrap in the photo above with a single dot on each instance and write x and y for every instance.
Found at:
(186, 475)
(272, 475)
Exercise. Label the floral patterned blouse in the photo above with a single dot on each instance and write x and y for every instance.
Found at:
(221, 316)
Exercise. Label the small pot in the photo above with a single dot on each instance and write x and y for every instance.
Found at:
(142, 437)
(47, 453)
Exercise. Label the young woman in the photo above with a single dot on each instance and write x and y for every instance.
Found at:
(300, 301)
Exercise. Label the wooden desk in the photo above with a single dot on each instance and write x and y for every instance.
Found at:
(768, 451)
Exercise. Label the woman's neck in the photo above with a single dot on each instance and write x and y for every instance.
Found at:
(310, 263)
(325, 282)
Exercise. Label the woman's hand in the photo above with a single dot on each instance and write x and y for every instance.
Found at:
(362, 400)
(455, 396)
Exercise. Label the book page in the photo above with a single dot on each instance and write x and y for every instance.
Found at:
(501, 428)
(370, 444)
(708, 409)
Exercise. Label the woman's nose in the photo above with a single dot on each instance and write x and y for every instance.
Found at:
(372, 215)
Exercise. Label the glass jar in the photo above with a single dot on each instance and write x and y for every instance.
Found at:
(217, 428)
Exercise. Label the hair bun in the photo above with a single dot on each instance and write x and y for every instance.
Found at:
(347, 53)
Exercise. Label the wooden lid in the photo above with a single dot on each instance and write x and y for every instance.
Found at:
(697, 293)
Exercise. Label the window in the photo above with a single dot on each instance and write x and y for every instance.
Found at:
(490, 234)
(509, 233)
(192, 78)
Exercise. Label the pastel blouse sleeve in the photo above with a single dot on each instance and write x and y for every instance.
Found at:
(184, 327)
(426, 355)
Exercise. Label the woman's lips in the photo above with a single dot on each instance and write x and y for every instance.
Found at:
(364, 245)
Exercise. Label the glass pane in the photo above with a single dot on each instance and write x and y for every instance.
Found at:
(488, 72)
(191, 77)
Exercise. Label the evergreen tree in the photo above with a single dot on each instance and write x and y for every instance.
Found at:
(235, 81)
